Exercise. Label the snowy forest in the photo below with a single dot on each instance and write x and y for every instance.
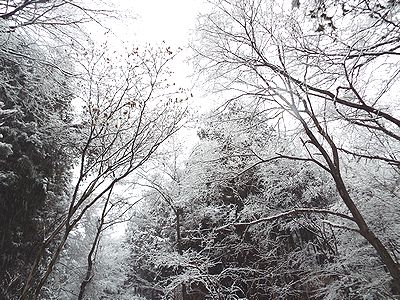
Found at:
(273, 174)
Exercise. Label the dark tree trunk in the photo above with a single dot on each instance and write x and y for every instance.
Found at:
(373, 240)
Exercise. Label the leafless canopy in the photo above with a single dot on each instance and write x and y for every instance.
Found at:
(331, 67)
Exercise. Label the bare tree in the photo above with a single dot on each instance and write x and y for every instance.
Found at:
(102, 224)
(129, 111)
(114, 210)
(40, 45)
(93, 263)
(49, 13)
(58, 27)
(329, 67)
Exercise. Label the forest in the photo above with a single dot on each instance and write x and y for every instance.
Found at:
(285, 184)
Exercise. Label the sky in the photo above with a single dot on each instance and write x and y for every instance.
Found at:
(155, 21)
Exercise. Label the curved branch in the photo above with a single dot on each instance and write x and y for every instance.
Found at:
(286, 214)
(24, 4)
(388, 160)
(328, 95)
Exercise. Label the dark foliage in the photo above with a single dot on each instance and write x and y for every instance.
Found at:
(34, 163)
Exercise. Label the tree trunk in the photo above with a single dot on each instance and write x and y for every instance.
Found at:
(372, 239)
(334, 169)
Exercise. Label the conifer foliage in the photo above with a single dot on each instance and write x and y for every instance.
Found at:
(35, 145)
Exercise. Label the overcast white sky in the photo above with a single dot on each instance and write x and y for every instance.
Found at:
(155, 21)
(172, 21)
(158, 20)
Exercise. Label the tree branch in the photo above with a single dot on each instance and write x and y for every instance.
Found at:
(294, 212)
